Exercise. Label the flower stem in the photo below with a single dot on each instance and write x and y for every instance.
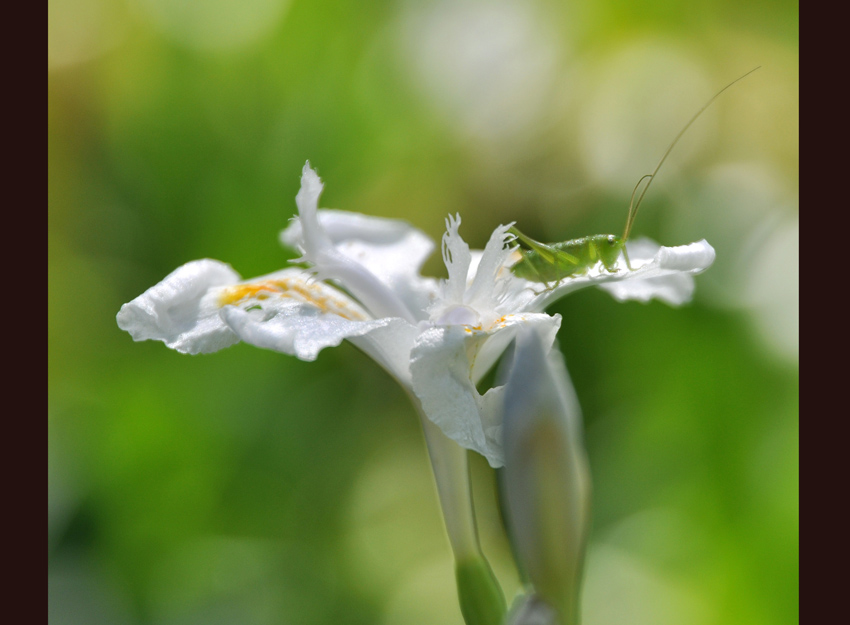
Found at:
(482, 601)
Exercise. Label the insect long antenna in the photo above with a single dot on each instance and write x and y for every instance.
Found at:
(633, 206)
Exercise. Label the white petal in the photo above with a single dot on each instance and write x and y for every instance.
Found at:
(668, 276)
(692, 258)
(664, 273)
(456, 257)
(177, 312)
(391, 249)
(469, 295)
(488, 285)
(441, 372)
(330, 263)
(297, 329)
(674, 289)
(286, 287)
(372, 241)
(444, 368)
(314, 238)
(389, 345)
(289, 312)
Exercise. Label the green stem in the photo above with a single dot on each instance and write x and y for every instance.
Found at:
(482, 601)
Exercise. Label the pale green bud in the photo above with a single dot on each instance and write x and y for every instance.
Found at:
(546, 482)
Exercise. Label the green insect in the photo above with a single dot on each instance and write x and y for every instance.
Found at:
(550, 263)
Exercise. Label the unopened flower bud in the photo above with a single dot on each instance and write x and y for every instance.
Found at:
(546, 485)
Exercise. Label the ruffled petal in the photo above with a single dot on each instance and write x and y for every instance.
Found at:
(289, 312)
(489, 283)
(456, 257)
(444, 368)
(391, 249)
(313, 240)
(179, 312)
(329, 263)
(477, 282)
(301, 330)
(285, 288)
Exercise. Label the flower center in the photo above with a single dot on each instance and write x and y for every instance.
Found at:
(459, 315)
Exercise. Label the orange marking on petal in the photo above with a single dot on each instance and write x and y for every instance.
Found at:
(314, 294)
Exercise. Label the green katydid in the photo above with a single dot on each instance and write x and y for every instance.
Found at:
(550, 263)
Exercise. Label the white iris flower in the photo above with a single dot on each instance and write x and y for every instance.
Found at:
(438, 339)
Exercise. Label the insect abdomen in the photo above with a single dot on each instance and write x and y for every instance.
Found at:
(592, 249)
(535, 268)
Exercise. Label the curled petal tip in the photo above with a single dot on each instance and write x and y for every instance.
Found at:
(694, 258)
(708, 252)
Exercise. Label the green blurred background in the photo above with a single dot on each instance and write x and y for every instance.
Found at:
(247, 487)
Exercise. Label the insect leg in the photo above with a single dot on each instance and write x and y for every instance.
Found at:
(546, 252)
(566, 265)
(610, 267)
(626, 256)
(541, 279)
